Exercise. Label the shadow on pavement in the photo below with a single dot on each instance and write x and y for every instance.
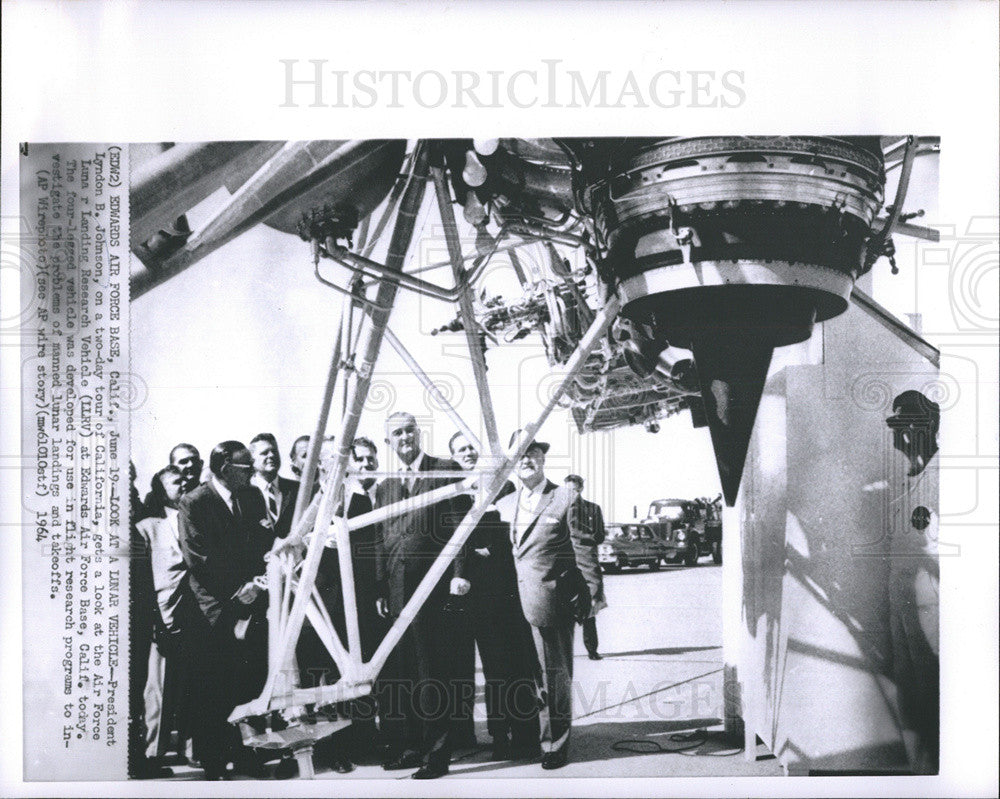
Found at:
(670, 650)
(595, 742)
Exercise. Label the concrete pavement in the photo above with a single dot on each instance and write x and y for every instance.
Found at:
(652, 707)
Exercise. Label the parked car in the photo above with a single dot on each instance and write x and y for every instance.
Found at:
(689, 528)
(630, 545)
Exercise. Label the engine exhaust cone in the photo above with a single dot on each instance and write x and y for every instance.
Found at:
(732, 372)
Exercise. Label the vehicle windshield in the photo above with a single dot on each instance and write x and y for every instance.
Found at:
(624, 532)
(667, 510)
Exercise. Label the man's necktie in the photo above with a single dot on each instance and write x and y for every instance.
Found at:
(272, 505)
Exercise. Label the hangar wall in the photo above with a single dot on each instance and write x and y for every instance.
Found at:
(823, 522)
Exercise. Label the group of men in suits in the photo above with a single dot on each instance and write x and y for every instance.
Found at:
(205, 543)
(514, 591)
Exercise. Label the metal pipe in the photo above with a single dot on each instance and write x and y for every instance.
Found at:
(364, 302)
(390, 206)
(349, 597)
(505, 466)
(465, 309)
(341, 691)
(410, 504)
(358, 264)
(323, 627)
(475, 256)
(315, 442)
(874, 250)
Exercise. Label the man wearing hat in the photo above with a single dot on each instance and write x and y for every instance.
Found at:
(553, 591)
(591, 524)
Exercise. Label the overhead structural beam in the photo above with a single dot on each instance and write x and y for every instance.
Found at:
(172, 183)
(296, 168)
(465, 309)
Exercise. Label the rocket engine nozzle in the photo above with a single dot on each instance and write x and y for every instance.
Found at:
(731, 246)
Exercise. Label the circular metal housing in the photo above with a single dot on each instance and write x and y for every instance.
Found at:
(708, 233)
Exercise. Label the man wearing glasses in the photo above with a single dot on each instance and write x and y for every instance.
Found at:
(223, 538)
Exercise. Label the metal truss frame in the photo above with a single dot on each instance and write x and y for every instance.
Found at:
(293, 563)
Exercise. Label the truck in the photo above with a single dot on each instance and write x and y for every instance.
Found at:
(690, 528)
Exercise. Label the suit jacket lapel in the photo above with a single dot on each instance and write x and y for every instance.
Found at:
(547, 495)
(427, 464)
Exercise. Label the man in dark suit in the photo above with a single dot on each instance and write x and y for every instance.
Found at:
(552, 589)
(278, 493)
(591, 529)
(315, 664)
(223, 537)
(187, 458)
(496, 624)
(184, 457)
(417, 697)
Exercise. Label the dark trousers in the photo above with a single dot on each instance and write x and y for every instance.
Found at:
(463, 624)
(316, 667)
(590, 634)
(418, 689)
(212, 692)
(510, 671)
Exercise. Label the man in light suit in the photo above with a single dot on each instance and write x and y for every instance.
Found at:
(591, 528)
(224, 538)
(279, 493)
(164, 691)
(418, 701)
(552, 589)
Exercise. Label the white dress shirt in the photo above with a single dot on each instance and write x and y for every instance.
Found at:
(527, 503)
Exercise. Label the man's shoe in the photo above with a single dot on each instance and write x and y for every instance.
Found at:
(216, 772)
(286, 769)
(553, 760)
(404, 761)
(594, 656)
(501, 749)
(429, 772)
(152, 771)
(342, 765)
